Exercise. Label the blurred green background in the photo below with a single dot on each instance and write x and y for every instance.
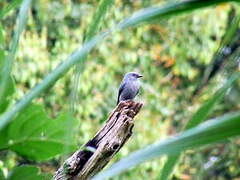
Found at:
(171, 54)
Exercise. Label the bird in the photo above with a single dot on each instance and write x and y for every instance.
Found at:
(129, 86)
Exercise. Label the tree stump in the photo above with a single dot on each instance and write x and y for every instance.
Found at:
(97, 152)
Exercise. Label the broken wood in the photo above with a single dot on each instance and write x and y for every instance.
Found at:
(97, 152)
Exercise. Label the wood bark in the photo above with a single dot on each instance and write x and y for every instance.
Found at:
(97, 152)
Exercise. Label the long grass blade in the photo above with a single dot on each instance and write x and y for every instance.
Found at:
(208, 132)
(8, 62)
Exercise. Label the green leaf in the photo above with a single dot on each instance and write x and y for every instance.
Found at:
(212, 131)
(26, 173)
(146, 15)
(35, 136)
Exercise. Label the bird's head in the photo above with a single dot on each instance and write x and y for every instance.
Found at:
(133, 76)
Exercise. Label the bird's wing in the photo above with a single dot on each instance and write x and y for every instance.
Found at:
(120, 91)
(138, 91)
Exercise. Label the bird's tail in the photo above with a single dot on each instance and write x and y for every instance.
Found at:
(118, 99)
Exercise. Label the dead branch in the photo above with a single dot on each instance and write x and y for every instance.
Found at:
(97, 152)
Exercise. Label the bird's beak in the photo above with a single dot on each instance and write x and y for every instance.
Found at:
(139, 76)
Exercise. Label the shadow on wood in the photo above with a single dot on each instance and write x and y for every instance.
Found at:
(97, 152)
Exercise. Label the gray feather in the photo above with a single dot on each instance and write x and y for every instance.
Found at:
(129, 87)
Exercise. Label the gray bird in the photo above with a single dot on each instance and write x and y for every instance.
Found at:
(129, 87)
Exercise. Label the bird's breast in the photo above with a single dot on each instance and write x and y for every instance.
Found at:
(130, 90)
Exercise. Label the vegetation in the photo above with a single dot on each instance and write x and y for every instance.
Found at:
(187, 51)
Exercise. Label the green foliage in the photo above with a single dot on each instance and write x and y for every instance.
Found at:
(35, 136)
(229, 41)
(209, 132)
(26, 172)
(9, 7)
(171, 52)
(50, 79)
(205, 110)
(198, 117)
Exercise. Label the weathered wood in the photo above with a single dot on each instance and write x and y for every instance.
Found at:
(97, 152)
